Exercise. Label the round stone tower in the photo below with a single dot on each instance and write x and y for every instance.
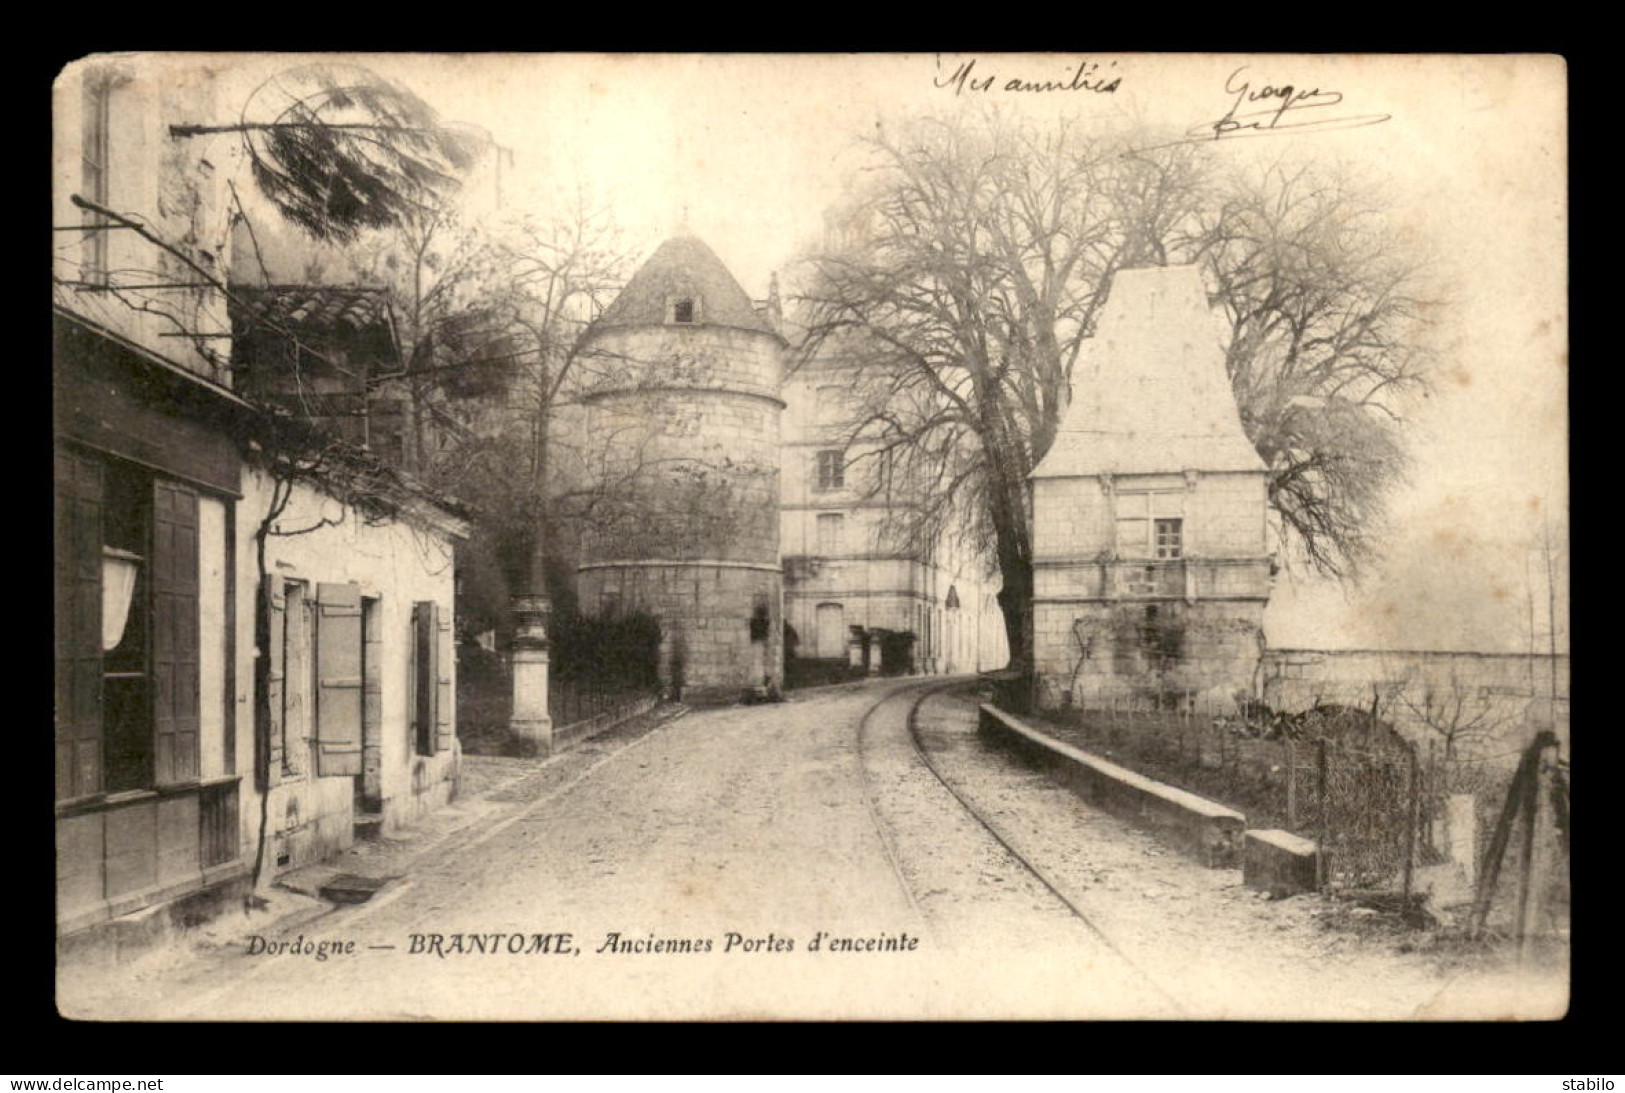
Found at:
(681, 430)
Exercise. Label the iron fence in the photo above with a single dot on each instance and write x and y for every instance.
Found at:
(570, 701)
(485, 701)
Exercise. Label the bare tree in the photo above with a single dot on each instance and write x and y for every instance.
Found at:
(529, 291)
(451, 311)
(976, 255)
(1458, 719)
(1326, 309)
(971, 276)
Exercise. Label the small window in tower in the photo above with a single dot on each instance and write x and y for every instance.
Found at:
(682, 311)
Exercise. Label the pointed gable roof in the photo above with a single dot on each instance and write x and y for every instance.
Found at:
(683, 266)
(1151, 395)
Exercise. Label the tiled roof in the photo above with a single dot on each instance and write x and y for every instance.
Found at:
(683, 266)
(321, 308)
(1151, 394)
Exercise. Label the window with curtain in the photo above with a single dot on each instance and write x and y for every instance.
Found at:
(127, 641)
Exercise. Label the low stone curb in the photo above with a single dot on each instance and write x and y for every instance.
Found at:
(1205, 830)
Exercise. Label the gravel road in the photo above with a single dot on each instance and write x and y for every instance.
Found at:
(780, 861)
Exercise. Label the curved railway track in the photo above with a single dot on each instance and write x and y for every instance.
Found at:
(917, 696)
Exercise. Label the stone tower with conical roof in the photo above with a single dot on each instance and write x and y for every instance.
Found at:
(681, 421)
(1151, 566)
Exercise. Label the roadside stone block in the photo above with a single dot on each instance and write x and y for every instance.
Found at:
(1280, 862)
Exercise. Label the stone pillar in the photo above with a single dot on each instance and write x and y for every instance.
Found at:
(530, 724)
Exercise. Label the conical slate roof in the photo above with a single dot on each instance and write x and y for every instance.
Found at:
(683, 266)
(1151, 395)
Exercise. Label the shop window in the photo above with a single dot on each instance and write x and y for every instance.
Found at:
(126, 587)
(126, 576)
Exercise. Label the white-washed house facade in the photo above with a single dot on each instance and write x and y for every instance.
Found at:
(213, 724)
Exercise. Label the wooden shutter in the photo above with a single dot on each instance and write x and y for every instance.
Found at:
(338, 679)
(78, 586)
(174, 632)
(425, 676)
(445, 700)
(275, 606)
(372, 694)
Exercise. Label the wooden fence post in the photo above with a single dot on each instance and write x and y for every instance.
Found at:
(1530, 877)
(1414, 814)
(1324, 824)
(1520, 794)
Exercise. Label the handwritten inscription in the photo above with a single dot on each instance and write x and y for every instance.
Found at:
(1262, 109)
(1085, 75)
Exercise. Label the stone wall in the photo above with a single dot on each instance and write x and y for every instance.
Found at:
(1111, 620)
(699, 356)
(1203, 653)
(682, 434)
(1491, 700)
(706, 645)
(177, 188)
(395, 565)
(686, 475)
(681, 431)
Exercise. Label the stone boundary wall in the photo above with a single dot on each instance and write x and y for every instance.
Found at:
(1499, 698)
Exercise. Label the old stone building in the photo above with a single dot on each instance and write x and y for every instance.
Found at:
(253, 662)
(859, 589)
(1150, 533)
(678, 419)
